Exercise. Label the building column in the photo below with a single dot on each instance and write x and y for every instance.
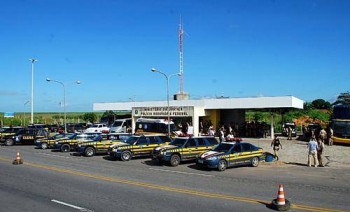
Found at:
(195, 124)
(133, 123)
(272, 127)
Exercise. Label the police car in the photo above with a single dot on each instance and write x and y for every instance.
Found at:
(25, 136)
(8, 131)
(228, 154)
(45, 143)
(71, 143)
(91, 148)
(137, 145)
(183, 149)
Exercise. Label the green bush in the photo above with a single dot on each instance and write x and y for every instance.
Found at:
(320, 115)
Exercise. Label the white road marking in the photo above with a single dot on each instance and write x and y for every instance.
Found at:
(72, 206)
(189, 173)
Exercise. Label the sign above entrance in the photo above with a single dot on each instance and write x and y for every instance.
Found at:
(9, 114)
(174, 111)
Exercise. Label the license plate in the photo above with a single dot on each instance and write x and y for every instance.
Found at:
(200, 161)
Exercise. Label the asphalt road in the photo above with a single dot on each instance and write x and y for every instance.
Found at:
(55, 181)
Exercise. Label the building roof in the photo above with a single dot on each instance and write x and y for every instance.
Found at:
(276, 102)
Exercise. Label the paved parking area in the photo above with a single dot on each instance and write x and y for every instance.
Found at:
(294, 152)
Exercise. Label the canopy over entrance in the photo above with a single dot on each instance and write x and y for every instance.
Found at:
(216, 109)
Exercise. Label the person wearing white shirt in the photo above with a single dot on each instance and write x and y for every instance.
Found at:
(312, 147)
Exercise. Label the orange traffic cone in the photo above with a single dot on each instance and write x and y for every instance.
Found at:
(18, 159)
(280, 204)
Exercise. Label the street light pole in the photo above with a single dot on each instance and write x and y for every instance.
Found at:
(33, 60)
(24, 123)
(167, 77)
(64, 100)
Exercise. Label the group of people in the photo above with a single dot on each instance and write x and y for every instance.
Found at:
(315, 152)
(223, 134)
(245, 129)
(315, 148)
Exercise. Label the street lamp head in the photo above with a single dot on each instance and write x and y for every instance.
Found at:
(33, 60)
(48, 79)
(179, 74)
(153, 70)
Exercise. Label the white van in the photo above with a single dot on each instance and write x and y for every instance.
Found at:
(150, 126)
(120, 125)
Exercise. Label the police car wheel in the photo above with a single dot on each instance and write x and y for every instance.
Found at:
(9, 142)
(126, 156)
(175, 160)
(65, 148)
(255, 162)
(89, 152)
(222, 165)
(44, 145)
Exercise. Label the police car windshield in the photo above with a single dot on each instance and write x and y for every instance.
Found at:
(57, 136)
(72, 136)
(131, 140)
(178, 142)
(117, 123)
(5, 130)
(223, 147)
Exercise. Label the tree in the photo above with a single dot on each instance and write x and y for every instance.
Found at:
(343, 99)
(108, 116)
(321, 104)
(90, 117)
(308, 106)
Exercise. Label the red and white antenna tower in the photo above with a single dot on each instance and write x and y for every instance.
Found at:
(181, 39)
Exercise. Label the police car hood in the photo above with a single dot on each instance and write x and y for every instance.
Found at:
(210, 154)
(165, 147)
(114, 146)
(52, 139)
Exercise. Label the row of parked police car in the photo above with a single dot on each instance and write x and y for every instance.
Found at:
(206, 151)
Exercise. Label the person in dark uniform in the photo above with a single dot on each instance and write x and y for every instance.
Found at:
(276, 144)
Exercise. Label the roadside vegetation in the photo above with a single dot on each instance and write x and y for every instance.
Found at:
(319, 111)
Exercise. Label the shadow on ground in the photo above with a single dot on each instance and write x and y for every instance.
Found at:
(153, 163)
(296, 164)
(107, 157)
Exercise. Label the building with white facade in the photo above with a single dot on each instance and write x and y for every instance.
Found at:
(220, 110)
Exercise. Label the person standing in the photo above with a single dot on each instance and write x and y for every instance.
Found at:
(323, 135)
(289, 133)
(330, 137)
(320, 152)
(276, 144)
(222, 134)
(201, 128)
(211, 131)
(303, 128)
(312, 147)
(229, 136)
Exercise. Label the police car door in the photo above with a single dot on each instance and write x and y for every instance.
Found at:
(103, 145)
(203, 146)
(235, 155)
(247, 153)
(140, 147)
(192, 149)
(154, 141)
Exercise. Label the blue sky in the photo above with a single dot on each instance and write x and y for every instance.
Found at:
(231, 48)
